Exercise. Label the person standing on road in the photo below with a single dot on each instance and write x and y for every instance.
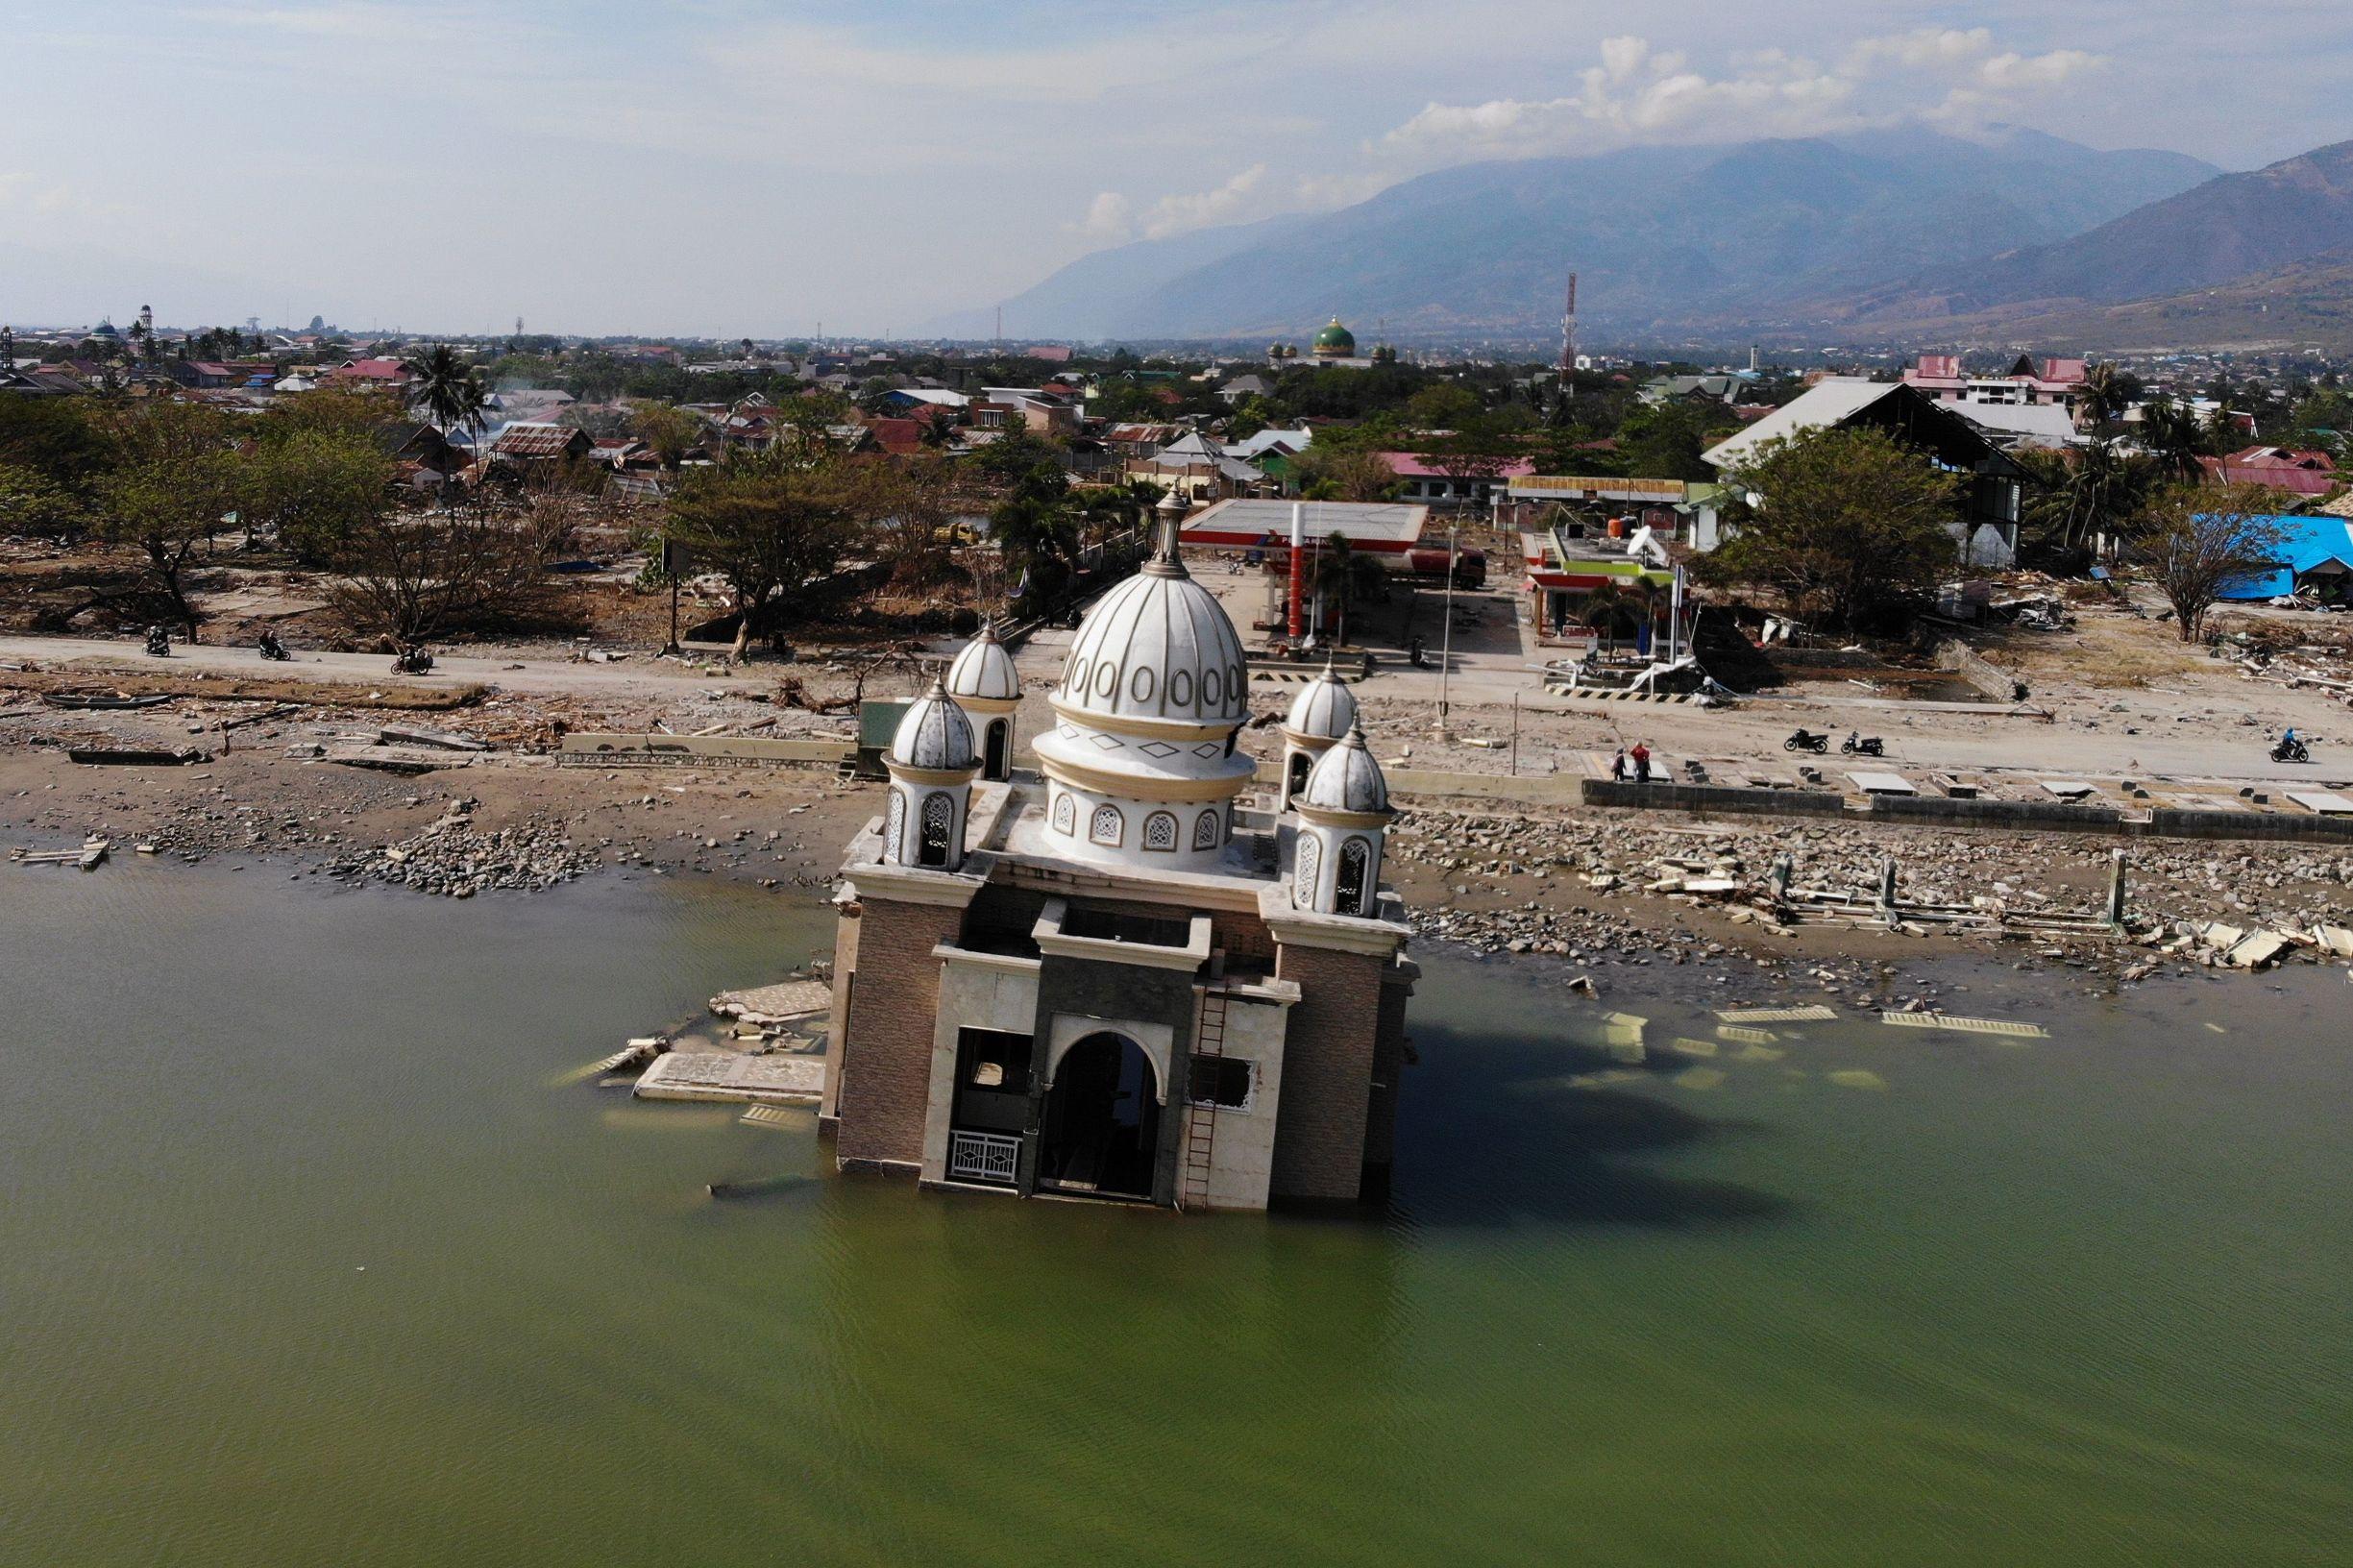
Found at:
(1617, 766)
(1642, 763)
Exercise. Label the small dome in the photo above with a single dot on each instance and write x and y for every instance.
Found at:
(1336, 341)
(1347, 779)
(1159, 646)
(983, 668)
(934, 733)
(1325, 708)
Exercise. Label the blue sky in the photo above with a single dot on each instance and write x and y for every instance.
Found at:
(730, 167)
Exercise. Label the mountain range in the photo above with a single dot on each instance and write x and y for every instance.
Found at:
(1898, 232)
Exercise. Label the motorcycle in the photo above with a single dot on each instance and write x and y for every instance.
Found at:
(272, 649)
(158, 643)
(2286, 751)
(412, 661)
(1803, 741)
(1857, 744)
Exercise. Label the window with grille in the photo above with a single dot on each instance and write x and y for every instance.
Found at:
(938, 816)
(1160, 831)
(1066, 816)
(1108, 826)
(1356, 860)
(1303, 875)
(1205, 831)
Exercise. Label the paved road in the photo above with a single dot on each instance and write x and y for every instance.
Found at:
(639, 672)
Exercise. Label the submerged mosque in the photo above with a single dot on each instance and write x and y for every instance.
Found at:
(1106, 979)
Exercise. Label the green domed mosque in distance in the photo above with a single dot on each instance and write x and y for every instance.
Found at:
(1336, 342)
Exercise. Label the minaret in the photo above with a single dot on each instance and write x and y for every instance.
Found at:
(984, 683)
(1343, 823)
(147, 319)
(931, 765)
(1323, 711)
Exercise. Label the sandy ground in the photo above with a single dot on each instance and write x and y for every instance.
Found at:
(2126, 700)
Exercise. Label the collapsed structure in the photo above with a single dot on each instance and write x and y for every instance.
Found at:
(1105, 978)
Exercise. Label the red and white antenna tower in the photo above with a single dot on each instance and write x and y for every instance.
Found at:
(1568, 337)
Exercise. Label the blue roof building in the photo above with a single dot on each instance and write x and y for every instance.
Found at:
(2316, 551)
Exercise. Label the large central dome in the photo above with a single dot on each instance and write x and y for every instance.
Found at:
(1158, 646)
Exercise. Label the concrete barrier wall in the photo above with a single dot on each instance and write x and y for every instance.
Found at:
(2024, 816)
(1727, 799)
(583, 746)
(2170, 823)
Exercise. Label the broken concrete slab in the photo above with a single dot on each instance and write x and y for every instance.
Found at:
(724, 1075)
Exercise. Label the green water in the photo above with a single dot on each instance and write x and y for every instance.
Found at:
(305, 1258)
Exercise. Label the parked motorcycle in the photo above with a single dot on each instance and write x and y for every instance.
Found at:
(272, 649)
(1805, 741)
(159, 642)
(2288, 750)
(1857, 744)
(412, 661)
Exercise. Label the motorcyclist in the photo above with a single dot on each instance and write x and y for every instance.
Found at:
(271, 646)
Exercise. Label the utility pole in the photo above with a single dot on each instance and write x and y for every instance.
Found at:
(1568, 339)
(1446, 645)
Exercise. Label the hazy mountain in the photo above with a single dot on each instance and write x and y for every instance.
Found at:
(2224, 230)
(1092, 296)
(1661, 237)
(2305, 305)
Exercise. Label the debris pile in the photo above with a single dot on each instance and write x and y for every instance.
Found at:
(451, 858)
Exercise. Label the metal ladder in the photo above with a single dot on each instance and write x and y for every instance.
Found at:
(1201, 1125)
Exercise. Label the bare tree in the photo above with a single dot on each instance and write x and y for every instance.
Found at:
(2199, 541)
(413, 576)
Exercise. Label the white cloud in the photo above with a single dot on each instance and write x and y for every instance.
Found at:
(1111, 218)
(1237, 198)
(1639, 95)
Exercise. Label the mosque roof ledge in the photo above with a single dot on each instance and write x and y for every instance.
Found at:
(1380, 935)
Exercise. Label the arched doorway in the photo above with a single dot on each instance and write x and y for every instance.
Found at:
(1301, 762)
(1102, 1120)
(995, 765)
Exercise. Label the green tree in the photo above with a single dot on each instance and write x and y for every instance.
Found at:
(2072, 496)
(1331, 472)
(1442, 406)
(33, 504)
(2196, 539)
(313, 489)
(771, 523)
(173, 481)
(671, 432)
(1664, 441)
(1846, 524)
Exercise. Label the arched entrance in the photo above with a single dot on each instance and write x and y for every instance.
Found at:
(1102, 1120)
(995, 764)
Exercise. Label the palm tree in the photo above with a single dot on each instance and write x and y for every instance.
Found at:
(2102, 398)
(1343, 575)
(1602, 607)
(2169, 434)
(450, 390)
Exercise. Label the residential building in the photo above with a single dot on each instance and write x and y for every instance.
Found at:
(1986, 535)
(2027, 381)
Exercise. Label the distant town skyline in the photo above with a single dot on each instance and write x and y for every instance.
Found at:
(727, 169)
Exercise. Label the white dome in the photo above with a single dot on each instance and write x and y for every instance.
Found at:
(1325, 708)
(983, 668)
(1346, 778)
(934, 733)
(1158, 646)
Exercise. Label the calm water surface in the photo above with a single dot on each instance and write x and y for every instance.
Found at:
(307, 1257)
